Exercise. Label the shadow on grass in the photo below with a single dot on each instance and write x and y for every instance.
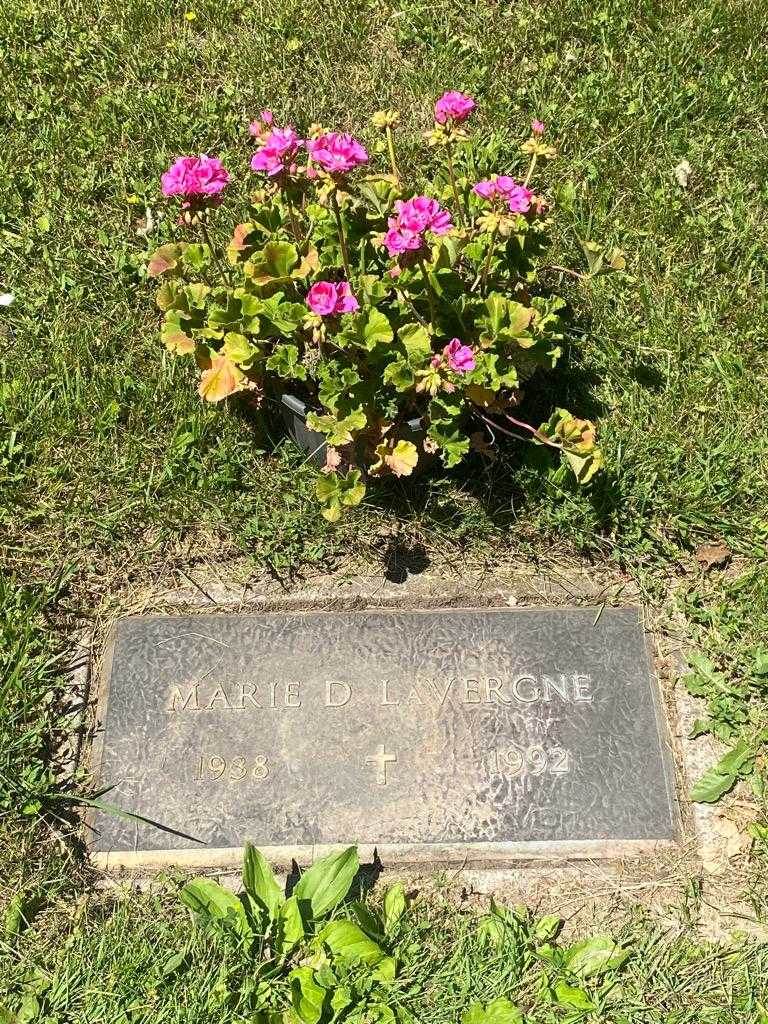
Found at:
(520, 475)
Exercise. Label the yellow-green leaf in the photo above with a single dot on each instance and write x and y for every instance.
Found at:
(400, 458)
(237, 347)
(176, 341)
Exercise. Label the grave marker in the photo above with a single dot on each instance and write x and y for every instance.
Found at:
(433, 735)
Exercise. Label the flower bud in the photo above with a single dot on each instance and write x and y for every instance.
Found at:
(385, 118)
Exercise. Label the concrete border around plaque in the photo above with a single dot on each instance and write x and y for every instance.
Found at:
(455, 736)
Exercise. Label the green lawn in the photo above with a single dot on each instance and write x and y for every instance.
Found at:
(110, 467)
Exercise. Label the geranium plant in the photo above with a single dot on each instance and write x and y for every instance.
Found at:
(410, 325)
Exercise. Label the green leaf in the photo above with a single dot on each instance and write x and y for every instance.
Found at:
(20, 912)
(566, 196)
(372, 289)
(274, 262)
(385, 970)
(394, 906)
(370, 922)
(759, 785)
(366, 329)
(453, 444)
(167, 295)
(290, 924)
(284, 361)
(380, 1013)
(307, 997)
(338, 391)
(165, 258)
(377, 329)
(331, 511)
(195, 255)
(340, 1000)
(173, 965)
(704, 679)
(585, 466)
(337, 431)
(282, 317)
(400, 458)
(348, 941)
(548, 928)
(518, 319)
(491, 929)
(29, 1009)
(416, 342)
(445, 409)
(399, 374)
(259, 880)
(594, 956)
(238, 348)
(352, 489)
(569, 995)
(722, 776)
(737, 760)
(328, 881)
(496, 304)
(500, 1011)
(210, 900)
(195, 295)
(447, 284)
(224, 317)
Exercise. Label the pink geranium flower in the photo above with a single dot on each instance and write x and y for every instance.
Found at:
(328, 299)
(454, 106)
(517, 197)
(264, 121)
(423, 214)
(413, 218)
(487, 189)
(277, 153)
(337, 153)
(195, 176)
(400, 240)
(537, 127)
(460, 357)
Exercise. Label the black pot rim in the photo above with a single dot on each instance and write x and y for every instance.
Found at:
(299, 408)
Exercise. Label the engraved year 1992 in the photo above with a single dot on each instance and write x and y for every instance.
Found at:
(212, 767)
(531, 761)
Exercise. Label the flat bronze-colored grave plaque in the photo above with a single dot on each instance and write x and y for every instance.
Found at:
(435, 735)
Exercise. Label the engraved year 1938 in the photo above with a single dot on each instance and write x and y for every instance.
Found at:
(531, 761)
(213, 767)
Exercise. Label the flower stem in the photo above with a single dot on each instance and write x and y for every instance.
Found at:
(489, 257)
(391, 148)
(430, 294)
(214, 253)
(342, 237)
(534, 430)
(407, 301)
(519, 423)
(531, 169)
(292, 215)
(454, 186)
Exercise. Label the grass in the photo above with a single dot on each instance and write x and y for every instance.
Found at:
(117, 959)
(110, 467)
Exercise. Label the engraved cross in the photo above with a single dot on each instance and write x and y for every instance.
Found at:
(380, 760)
